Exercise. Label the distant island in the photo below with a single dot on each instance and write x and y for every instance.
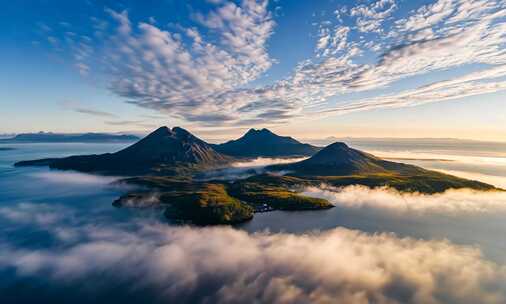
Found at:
(47, 137)
(6, 148)
(167, 161)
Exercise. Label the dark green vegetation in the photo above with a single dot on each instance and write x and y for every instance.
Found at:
(168, 162)
(264, 143)
(210, 203)
(198, 203)
(61, 138)
(273, 191)
(163, 152)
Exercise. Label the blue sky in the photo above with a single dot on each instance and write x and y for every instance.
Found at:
(305, 68)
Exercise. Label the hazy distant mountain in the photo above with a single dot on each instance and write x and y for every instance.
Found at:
(428, 143)
(164, 151)
(264, 143)
(60, 138)
(7, 135)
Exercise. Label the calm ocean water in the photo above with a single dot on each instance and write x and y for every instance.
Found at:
(44, 213)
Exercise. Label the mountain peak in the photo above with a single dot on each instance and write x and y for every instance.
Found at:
(180, 130)
(337, 153)
(256, 132)
(337, 146)
(175, 132)
(162, 131)
(338, 159)
(164, 150)
(264, 143)
(166, 145)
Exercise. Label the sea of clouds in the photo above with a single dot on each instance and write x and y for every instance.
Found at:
(67, 254)
(465, 162)
(228, 265)
(247, 168)
(451, 202)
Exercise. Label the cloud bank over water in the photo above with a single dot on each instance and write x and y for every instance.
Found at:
(266, 161)
(247, 168)
(476, 160)
(74, 178)
(451, 202)
(226, 265)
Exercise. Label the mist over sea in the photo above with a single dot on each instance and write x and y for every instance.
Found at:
(61, 240)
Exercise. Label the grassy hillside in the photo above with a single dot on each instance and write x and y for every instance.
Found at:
(210, 203)
(429, 182)
(198, 203)
(277, 197)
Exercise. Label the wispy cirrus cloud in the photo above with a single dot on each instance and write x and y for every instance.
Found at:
(165, 73)
(79, 107)
(477, 83)
(204, 73)
(93, 112)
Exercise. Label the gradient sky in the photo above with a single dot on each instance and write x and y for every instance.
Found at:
(311, 69)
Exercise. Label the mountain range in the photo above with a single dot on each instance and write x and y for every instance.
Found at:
(167, 162)
(176, 151)
(69, 138)
(164, 151)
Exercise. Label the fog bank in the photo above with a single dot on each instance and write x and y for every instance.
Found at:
(225, 265)
(451, 202)
(247, 168)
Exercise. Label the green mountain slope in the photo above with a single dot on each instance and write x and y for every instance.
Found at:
(340, 165)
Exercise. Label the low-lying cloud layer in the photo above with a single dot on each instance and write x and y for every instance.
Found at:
(245, 169)
(266, 161)
(451, 202)
(224, 265)
(74, 178)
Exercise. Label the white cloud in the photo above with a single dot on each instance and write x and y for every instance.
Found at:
(205, 74)
(265, 161)
(451, 202)
(34, 214)
(245, 169)
(154, 68)
(436, 37)
(477, 83)
(371, 16)
(223, 265)
(76, 178)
